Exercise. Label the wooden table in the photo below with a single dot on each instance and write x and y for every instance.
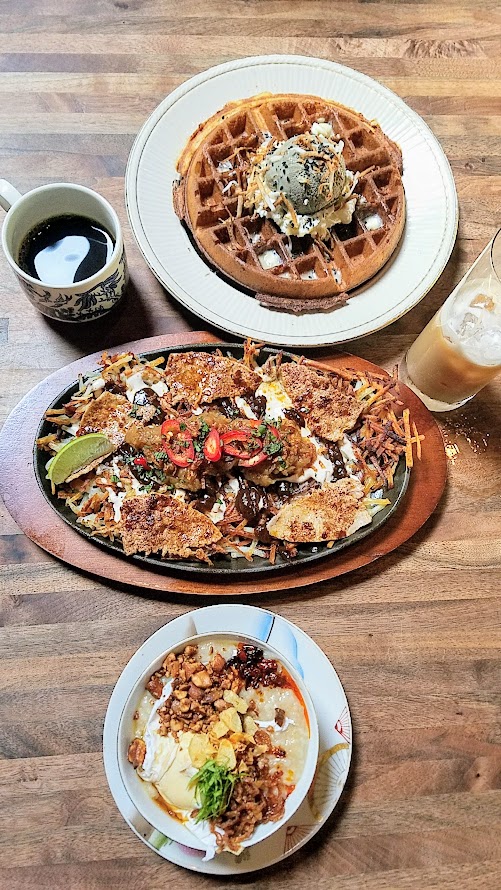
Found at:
(416, 636)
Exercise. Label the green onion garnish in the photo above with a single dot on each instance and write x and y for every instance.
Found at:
(213, 788)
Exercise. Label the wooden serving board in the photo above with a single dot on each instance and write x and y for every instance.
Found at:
(37, 519)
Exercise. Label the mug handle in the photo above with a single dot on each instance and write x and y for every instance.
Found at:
(8, 194)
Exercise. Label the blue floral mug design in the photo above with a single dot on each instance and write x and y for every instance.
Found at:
(83, 300)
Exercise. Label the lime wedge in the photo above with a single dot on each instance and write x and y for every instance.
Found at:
(78, 454)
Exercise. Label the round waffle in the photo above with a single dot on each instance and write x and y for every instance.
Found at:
(307, 273)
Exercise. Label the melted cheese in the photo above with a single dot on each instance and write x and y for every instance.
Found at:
(322, 468)
(244, 406)
(277, 399)
(96, 384)
(117, 499)
(218, 511)
(136, 382)
(160, 388)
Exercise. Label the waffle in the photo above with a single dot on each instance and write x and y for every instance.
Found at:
(309, 274)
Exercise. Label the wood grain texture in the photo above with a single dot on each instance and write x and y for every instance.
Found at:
(416, 637)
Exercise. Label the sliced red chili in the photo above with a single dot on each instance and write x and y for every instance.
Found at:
(235, 436)
(273, 430)
(170, 426)
(183, 454)
(212, 446)
(255, 460)
(262, 454)
(182, 458)
(242, 453)
(141, 462)
(247, 438)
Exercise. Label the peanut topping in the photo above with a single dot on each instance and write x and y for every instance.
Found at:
(136, 753)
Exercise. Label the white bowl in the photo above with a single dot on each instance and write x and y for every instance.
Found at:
(137, 789)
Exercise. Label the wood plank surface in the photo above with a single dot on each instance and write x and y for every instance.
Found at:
(415, 637)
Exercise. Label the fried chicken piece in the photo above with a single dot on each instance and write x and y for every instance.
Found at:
(141, 437)
(295, 455)
(150, 442)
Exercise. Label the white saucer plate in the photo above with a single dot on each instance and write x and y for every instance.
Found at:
(432, 207)
(334, 723)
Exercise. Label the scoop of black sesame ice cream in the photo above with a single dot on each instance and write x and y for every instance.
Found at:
(311, 174)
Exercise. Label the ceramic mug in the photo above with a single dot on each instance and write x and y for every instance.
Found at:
(82, 300)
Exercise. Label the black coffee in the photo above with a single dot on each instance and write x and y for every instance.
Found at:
(65, 249)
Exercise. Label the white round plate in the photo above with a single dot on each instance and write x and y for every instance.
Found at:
(432, 209)
(334, 724)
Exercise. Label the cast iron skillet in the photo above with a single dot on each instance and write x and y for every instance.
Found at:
(222, 564)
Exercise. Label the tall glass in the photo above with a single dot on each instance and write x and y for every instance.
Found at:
(459, 351)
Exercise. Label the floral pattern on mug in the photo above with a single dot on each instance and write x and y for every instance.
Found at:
(83, 306)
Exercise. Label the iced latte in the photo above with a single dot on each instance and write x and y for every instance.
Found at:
(459, 351)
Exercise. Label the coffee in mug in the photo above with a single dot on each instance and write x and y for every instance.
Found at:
(65, 249)
(64, 243)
